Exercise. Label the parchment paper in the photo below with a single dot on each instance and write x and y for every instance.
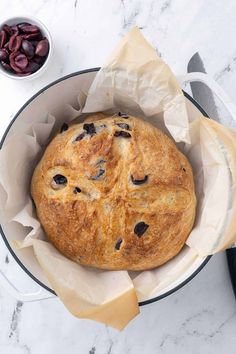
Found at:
(134, 80)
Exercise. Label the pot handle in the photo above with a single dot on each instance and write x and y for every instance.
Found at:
(213, 85)
(40, 294)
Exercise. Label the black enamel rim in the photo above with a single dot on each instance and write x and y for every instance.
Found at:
(4, 236)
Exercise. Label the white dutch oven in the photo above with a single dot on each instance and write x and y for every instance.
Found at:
(65, 90)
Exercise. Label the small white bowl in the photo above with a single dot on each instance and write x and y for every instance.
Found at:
(15, 20)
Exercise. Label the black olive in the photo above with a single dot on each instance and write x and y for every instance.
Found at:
(123, 126)
(60, 179)
(80, 137)
(122, 134)
(76, 190)
(99, 174)
(139, 181)
(100, 161)
(89, 128)
(64, 127)
(140, 228)
(123, 115)
(118, 244)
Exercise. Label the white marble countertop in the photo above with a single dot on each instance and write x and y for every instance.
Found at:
(200, 317)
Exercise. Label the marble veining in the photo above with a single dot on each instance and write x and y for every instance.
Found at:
(189, 328)
(14, 331)
(201, 317)
(228, 68)
(165, 5)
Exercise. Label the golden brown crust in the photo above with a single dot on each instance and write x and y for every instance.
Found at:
(98, 226)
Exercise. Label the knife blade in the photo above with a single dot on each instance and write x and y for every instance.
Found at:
(203, 95)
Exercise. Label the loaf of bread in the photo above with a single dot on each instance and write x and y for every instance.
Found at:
(115, 193)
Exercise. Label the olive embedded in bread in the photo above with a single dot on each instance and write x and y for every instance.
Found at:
(115, 195)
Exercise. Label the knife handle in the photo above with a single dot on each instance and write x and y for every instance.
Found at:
(231, 259)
